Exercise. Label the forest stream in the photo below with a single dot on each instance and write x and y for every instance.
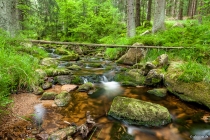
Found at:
(188, 119)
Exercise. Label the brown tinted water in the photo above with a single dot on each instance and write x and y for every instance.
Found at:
(186, 122)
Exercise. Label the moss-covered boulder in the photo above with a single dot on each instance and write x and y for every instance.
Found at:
(46, 85)
(86, 87)
(138, 112)
(154, 77)
(41, 73)
(38, 90)
(57, 71)
(192, 92)
(70, 57)
(62, 99)
(136, 75)
(160, 92)
(63, 79)
(62, 134)
(48, 96)
(49, 62)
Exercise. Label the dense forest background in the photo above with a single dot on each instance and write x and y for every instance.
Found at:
(96, 21)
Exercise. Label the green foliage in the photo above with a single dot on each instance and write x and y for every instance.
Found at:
(16, 70)
(194, 72)
(114, 53)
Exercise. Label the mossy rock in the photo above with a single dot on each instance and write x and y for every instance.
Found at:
(57, 71)
(74, 67)
(63, 79)
(160, 92)
(62, 134)
(70, 57)
(49, 62)
(95, 65)
(48, 96)
(138, 112)
(62, 99)
(38, 90)
(41, 73)
(76, 80)
(154, 77)
(61, 51)
(86, 87)
(198, 92)
(46, 85)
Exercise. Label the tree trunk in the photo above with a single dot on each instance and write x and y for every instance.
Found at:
(159, 16)
(9, 16)
(149, 10)
(131, 27)
(180, 15)
(138, 13)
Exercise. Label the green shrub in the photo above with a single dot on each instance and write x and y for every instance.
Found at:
(114, 53)
(17, 70)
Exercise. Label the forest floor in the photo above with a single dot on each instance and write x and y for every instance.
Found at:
(19, 119)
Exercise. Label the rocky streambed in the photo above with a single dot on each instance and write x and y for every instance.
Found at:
(123, 101)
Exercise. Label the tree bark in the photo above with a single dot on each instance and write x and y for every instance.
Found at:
(9, 16)
(159, 16)
(149, 10)
(180, 15)
(138, 13)
(131, 27)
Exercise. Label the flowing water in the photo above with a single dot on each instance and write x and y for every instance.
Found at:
(187, 122)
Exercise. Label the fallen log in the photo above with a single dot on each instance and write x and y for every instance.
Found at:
(103, 45)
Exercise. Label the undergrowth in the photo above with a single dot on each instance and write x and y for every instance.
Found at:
(17, 68)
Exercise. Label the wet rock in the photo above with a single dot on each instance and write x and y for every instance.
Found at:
(49, 62)
(46, 85)
(148, 66)
(160, 92)
(68, 88)
(70, 57)
(161, 61)
(41, 73)
(138, 112)
(154, 77)
(48, 96)
(62, 99)
(63, 79)
(62, 134)
(191, 92)
(61, 51)
(136, 75)
(95, 65)
(57, 71)
(86, 87)
(42, 136)
(38, 90)
(133, 55)
(74, 67)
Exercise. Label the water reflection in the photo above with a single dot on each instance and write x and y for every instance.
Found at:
(185, 121)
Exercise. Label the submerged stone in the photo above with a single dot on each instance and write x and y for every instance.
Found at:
(138, 112)
(62, 99)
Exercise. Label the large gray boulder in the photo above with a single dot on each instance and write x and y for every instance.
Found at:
(192, 92)
(133, 56)
(138, 112)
